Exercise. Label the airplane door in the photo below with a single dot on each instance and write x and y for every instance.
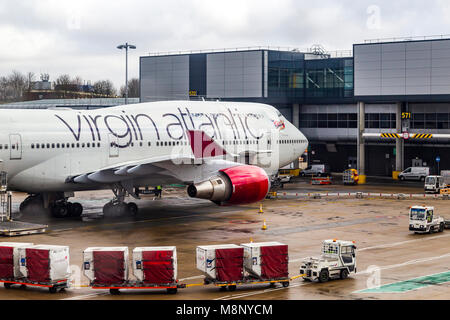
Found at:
(15, 141)
(264, 156)
(113, 146)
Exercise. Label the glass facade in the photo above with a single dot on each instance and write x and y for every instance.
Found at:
(330, 78)
(291, 76)
(346, 120)
(328, 120)
(430, 121)
(286, 74)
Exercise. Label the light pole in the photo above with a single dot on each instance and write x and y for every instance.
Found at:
(126, 46)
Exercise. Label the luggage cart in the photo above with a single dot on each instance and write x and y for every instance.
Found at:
(53, 286)
(171, 288)
(321, 181)
(350, 176)
(231, 286)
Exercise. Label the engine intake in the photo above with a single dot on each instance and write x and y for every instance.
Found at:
(232, 186)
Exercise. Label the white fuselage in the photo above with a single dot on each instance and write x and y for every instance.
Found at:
(42, 149)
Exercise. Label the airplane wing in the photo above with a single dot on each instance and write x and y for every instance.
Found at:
(206, 158)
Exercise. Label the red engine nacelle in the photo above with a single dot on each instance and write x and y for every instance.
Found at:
(232, 186)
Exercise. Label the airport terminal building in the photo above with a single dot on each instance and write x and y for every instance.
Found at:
(336, 99)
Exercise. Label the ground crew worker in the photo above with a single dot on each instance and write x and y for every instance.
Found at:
(158, 191)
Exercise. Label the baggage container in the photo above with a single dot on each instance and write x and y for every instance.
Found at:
(266, 260)
(106, 265)
(44, 263)
(221, 263)
(9, 259)
(155, 265)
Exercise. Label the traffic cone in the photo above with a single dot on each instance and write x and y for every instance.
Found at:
(264, 227)
(260, 209)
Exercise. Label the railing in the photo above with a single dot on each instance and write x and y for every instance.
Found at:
(332, 54)
(413, 38)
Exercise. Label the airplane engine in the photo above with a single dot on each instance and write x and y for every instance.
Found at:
(233, 186)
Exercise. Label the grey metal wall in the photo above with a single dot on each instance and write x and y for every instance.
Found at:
(164, 77)
(403, 68)
(234, 74)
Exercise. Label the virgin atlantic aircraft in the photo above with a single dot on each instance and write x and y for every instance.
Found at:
(226, 152)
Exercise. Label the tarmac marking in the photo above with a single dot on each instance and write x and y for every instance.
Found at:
(284, 231)
(415, 261)
(411, 284)
(192, 278)
(388, 245)
(152, 220)
(87, 296)
(243, 295)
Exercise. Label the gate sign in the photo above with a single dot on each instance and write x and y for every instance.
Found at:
(438, 159)
(405, 135)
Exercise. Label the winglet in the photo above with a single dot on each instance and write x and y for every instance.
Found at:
(203, 146)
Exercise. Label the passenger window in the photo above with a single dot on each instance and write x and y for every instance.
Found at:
(57, 145)
(32, 146)
(88, 145)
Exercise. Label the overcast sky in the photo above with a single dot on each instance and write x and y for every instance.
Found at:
(80, 37)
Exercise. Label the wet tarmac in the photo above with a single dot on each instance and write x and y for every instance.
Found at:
(388, 253)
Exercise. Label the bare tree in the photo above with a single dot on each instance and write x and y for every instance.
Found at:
(17, 83)
(105, 87)
(133, 88)
(63, 82)
(30, 79)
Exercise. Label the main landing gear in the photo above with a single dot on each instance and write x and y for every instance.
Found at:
(58, 205)
(118, 206)
(63, 209)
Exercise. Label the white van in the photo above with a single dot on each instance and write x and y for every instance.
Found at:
(316, 170)
(414, 173)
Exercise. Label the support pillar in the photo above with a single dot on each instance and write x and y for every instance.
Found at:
(361, 159)
(296, 123)
(399, 143)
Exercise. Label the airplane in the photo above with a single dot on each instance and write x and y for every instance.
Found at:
(226, 152)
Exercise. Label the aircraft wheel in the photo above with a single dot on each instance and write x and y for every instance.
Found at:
(115, 209)
(132, 208)
(76, 209)
(60, 210)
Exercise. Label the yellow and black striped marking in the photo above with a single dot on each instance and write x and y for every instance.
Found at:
(422, 136)
(391, 135)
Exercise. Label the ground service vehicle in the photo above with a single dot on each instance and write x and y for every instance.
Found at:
(434, 184)
(337, 261)
(423, 220)
(315, 170)
(414, 173)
